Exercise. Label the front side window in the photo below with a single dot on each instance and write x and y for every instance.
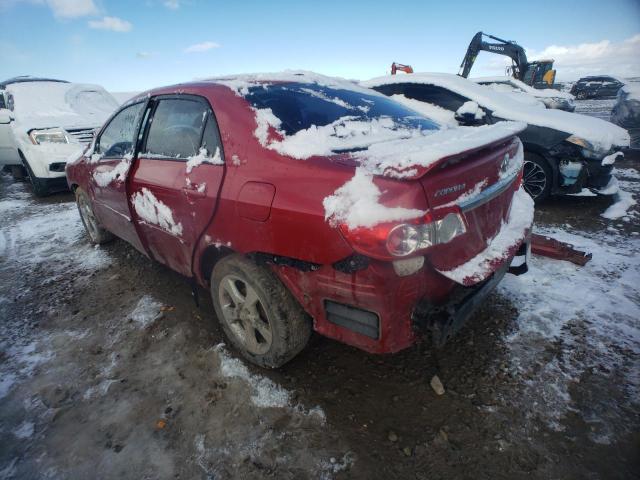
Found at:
(117, 139)
(176, 128)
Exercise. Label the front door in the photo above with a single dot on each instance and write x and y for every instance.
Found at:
(109, 166)
(175, 181)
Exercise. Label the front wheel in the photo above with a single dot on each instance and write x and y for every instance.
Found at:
(258, 314)
(97, 234)
(537, 177)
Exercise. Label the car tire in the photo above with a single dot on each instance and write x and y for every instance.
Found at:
(581, 95)
(18, 172)
(259, 316)
(97, 234)
(38, 189)
(537, 177)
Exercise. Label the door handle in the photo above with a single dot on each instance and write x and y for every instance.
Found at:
(194, 192)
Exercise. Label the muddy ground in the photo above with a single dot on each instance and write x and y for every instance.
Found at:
(109, 370)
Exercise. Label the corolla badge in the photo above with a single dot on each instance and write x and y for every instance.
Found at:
(453, 188)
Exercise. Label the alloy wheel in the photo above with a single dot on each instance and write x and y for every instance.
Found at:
(534, 179)
(245, 314)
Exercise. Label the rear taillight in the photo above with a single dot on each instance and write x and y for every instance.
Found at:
(390, 241)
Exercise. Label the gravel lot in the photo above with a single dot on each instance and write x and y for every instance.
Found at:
(109, 370)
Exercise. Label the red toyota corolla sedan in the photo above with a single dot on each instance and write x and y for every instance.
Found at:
(306, 202)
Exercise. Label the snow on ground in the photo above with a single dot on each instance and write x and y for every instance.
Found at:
(590, 314)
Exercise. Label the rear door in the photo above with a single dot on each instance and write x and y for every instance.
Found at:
(176, 179)
(110, 164)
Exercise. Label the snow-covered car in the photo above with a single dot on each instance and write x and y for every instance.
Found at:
(598, 87)
(626, 111)
(564, 152)
(550, 97)
(306, 202)
(46, 122)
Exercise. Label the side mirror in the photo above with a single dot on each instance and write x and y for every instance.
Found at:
(5, 117)
(470, 114)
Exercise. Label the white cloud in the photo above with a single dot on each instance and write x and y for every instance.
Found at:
(615, 58)
(575, 61)
(72, 8)
(144, 54)
(172, 4)
(111, 23)
(201, 47)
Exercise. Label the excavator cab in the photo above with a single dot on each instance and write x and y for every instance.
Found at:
(540, 74)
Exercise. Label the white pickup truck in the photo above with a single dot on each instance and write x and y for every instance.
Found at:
(44, 123)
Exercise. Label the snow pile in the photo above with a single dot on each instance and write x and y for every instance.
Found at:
(146, 312)
(519, 85)
(356, 204)
(202, 157)
(593, 312)
(153, 211)
(510, 235)
(471, 108)
(603, 135)
(632, 90)
(444, 117)
(55, 104)
(264, 393)
(345, 133)
(117, 173)
(610, 159)
(622, 202)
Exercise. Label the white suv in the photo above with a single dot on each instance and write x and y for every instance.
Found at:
(44, 123)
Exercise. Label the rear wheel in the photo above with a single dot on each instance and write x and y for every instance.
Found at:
(537, 177)
(97, 234)
(258, 314)
(581, 96)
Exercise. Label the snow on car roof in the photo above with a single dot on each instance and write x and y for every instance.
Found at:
(49, 104)
(632, 89)
(379, 140)
(536, 92)
(602, 134)
(241, 83)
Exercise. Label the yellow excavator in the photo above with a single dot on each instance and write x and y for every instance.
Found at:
(538, 74)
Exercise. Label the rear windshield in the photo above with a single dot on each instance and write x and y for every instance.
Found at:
(301, 105)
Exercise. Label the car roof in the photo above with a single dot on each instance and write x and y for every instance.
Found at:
(28, 78)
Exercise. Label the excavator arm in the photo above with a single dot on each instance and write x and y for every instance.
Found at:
(504, 47)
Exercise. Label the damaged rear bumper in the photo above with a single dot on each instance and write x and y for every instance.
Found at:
(444, 321)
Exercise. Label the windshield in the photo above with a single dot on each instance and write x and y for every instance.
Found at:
(300, 106)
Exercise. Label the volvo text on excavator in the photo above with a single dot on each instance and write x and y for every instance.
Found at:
(539, 74)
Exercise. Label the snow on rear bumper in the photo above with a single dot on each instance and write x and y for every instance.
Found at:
(501, 248)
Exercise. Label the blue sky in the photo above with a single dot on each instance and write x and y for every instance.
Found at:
(135, 45)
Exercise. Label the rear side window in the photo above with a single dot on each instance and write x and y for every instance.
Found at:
(425, 93)
(176, 128)
(435, 95)
(117, 139)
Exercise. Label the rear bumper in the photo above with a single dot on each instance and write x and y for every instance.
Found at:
(444, 321)
(376, 310)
